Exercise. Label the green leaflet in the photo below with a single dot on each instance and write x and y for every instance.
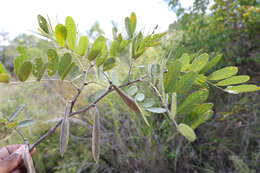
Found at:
(223, 73)
(18, 61)
(53, 62)
(102, 56)
(61, 34)
(184, 84)
(71, 32)
(185, 60)
(39, 68)
(130, 24)
(233, 80)
(109, 64)
(83, 45)
(199, 62)
(65, 65)
(96, 48)
(25, 71)
(242, 88)
(68, 69)
(200, 114)
(187, 132)
(172, 75)
(43, 24)
(192, 100)
(212, 63)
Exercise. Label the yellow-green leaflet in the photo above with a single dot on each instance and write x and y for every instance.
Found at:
(96, 136)
(27, 160)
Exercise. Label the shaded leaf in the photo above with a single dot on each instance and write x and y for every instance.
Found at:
(43, 24)
(139, 97)
(132, 90)
(184, 84)
(25, 71)
(97, 46)
(148, 103)
(53, 63)
(172, 76)
(65, 63)
(185, 61)
(192, 100)
(109, 64)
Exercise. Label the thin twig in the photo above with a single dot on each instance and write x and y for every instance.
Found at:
(109, 90)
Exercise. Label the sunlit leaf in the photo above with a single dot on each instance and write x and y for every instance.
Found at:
(233, 80)
(242, 88)
(185, 60)
(223, 73)
(12, 125)
(61, 34)
(187, 132)
(71, 32)
(199, 62)
(83, 45)
(212, 63)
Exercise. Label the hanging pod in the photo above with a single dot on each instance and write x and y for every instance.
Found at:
(96, 135)
(27, 160)
(64, 133)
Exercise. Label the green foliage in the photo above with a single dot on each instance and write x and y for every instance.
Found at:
(71, 32)
(187, 132)
(61, 34)
(25, 71)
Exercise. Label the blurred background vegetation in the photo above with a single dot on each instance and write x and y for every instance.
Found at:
(229, 142)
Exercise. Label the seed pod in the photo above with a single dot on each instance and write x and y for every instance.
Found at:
(64, 134)
(28, 162)
(128, 100)
(96, 136)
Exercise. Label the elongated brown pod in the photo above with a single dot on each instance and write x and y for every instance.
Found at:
(129, 101)
(64, 133)
(96, 136)
(27, 160)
